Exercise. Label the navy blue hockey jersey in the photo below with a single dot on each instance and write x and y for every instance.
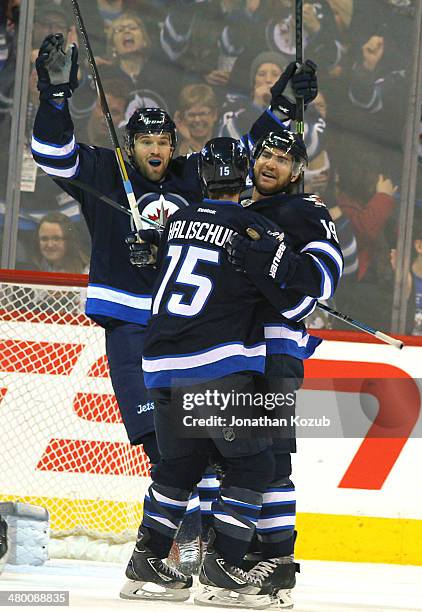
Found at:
(207, 318)
(116, 289)
(315, 268)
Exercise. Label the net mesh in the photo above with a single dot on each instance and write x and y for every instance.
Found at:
(63, 442)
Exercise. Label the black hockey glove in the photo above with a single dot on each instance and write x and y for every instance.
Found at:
(142, 254)
(292, 84)
(261, 254)
(57, 71)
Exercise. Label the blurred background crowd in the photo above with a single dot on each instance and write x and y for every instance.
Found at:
(210, 64)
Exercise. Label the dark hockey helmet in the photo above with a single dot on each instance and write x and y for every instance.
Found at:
(223, 165)
(286, 141)
(149, 121)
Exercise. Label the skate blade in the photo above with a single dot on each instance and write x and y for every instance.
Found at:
(135, 589)
(283, 600)
(224, 598)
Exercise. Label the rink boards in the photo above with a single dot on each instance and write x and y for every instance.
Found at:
(359, 498)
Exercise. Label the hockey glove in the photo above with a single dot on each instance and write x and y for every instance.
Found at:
(57, 71)
(292, 84)
(144, 253)
(261, 254)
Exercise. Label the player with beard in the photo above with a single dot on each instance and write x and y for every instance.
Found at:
(119, 296)
(308, 267)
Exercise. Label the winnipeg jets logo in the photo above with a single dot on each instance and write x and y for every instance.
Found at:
(159, 207)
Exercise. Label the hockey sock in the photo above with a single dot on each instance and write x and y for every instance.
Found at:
(164, 508)
(208, 489)
(275, 527)
(190, 527)
(235, 513)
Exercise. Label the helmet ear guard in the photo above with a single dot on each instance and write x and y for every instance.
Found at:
(223, 165)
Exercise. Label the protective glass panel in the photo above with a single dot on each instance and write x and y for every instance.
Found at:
(211, 66)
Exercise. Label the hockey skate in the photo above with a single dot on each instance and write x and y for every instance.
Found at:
(225, 585)
(150, 578)
(279, 576)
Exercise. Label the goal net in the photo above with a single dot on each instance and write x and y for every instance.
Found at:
(63, 443)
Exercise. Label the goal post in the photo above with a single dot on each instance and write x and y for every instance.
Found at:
(63, 443)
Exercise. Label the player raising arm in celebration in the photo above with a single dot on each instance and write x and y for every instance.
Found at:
(119, 296)
(308, 268)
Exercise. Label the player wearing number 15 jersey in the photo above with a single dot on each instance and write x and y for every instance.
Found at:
(206, 334)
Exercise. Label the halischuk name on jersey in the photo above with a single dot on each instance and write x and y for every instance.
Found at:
(208, 319)
(116, 290)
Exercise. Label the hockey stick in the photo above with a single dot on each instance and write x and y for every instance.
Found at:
(107, 115)
(300, 102)
(110, 202)
(362, 326)
(254, 235)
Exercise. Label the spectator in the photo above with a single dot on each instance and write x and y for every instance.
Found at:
(131, 50)
(378, 92)
(49, 19)
(318, 170)
(278, 34)
(366, 198)
(57, 248)
(199, 37)
(239, 111)
(195, 118)
(116, 87)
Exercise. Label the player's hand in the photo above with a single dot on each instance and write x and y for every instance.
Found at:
(143, 247)
(295, 82)
(57, 70)
(261, 253)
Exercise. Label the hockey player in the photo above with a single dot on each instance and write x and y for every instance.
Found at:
(119, 296)
(206, 332)
(308, 269)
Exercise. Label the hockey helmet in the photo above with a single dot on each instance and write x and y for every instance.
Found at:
(149, 121)
(223, 165)
(286, 141)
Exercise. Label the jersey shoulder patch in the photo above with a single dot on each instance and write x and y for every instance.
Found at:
(315, 200)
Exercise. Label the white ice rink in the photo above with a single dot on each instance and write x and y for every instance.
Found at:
(322, 587)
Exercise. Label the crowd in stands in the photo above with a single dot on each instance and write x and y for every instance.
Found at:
(211, 64)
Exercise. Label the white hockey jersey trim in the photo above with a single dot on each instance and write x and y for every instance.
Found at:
(44, 148)
(64, 173)
(183, 362)
(118, 297)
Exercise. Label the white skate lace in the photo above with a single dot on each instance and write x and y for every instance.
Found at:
(263, 569)
(246, 576)
(189, 551)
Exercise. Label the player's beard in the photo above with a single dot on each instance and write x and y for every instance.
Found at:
(149, 172)
(270, 192)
